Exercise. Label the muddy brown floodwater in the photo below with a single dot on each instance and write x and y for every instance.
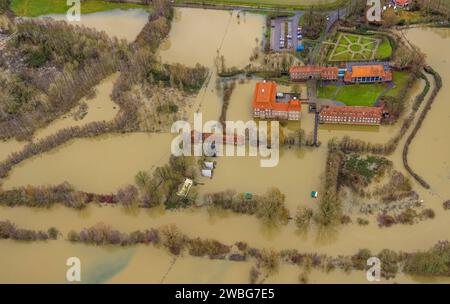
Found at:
(130, 25)
(108, 162)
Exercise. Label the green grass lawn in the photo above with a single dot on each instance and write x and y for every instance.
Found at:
(360, 94)
(363, 94)
(384, 50)
(353, 95)
(34, 8)
(400, 80)
(352, 38)
(343, 57)
(365, 40)
(327, 92)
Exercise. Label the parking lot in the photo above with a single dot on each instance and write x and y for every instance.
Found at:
(284, 37)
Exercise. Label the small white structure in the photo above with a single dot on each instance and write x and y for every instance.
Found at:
(209, 165)
(207, 173)
(185, 188)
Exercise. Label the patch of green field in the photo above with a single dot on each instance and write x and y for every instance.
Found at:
(355, 47)
(327, 91)
(34, 8)
(360, 94)
(400, 80)
(353, 38)
(367, 53)
(384, 50)
(353, 95)
(342, 57)
(343, 41)
(340, 49)
(365, 40)
(363, 94)
(371, 46)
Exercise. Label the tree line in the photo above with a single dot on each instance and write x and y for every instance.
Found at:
(9, 230)
(432, 262)
(270, 207)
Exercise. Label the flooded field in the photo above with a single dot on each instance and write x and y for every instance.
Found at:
(430, 150)
(113, 162)
(105, 164)
(99, 108)
(131, 22)
(9, 146)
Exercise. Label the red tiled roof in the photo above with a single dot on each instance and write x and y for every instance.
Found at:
(314, 70)
(265, 93)
(331, 71)
(368, 71)
(306, 69)
(265, 98)
(402, 2)
(354, 112)
(292, 105)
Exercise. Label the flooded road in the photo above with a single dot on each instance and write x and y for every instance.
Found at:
(106, 163)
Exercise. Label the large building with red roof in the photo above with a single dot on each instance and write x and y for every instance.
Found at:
(368, 74)
(351, 115)
(307, 72)
(267, 106)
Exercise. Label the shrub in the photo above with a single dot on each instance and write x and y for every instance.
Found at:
(362, 222)
(53, 233)
(434, 262)
(386, 220)
(389, 263)
(446, 205)
(303, 217)
(172, 239)
(360, 259)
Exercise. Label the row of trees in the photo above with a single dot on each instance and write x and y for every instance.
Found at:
(169, 237)
(270, 207)
(330, 206)
(432, 262)
(434, 93)
(9, 230)
(158, 25)
(43, 196)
